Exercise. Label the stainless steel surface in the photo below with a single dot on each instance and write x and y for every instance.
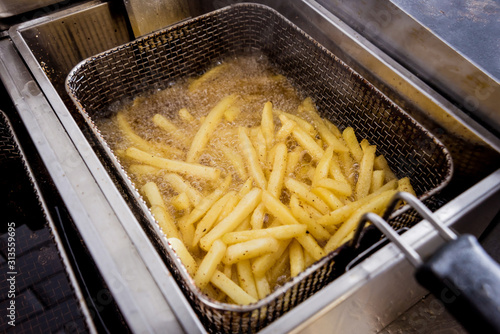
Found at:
(148, 16)
(360, 301)
(387, 25)
(10, 8)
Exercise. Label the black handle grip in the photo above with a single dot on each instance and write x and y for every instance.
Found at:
(467, 280)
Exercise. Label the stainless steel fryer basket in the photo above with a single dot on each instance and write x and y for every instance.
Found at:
(341, 95)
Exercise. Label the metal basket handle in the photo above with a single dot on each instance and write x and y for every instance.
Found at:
(461, 274)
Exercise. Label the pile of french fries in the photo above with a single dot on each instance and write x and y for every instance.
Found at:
(245, 205)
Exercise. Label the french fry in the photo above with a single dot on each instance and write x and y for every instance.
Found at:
(297, 264)
(231, 289)
(262, 285)
(245, 188)
(141, 143)
(346, 162)
(186, 258)
(306, 141)
(308, 218)
(206, 223)
(293, 160)
(352, 143)
(277, 176)
(206, 203)
(380, 163)
(311, 246)
(251, 158)
(186, 116)
(192, 169)
(405, 185)
(267, 124)
(378, 178)
(377, 204)
(165, 221)
(257, 218)
(240, 212)
(323, 167)
(324, 131)
(236, 160)
(250, 249)
(282, 232)
(259, 143)
(246, 278)
(328, 197)
(304, 193)
(142, 169)
(209, 263)
(263, 263)
(170, 128)
(336, 217)
(285, 131)
(339, 188)
(182, 186)
(365, 172)
(280, 267)
(208, 126)
(301, 123)
(181, 201)
(278, 209)
(232, 113)
(153, 195)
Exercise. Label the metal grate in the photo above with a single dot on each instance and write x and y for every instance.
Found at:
(341, 95)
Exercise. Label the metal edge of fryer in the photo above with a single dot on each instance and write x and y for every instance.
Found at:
(361, 275)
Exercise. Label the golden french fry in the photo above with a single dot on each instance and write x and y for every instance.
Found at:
(236, 160)
(231, 289)
(186, 258)
(170, 128)
(380, 163)
(142, 169)
(278, 209)
(232, 113)
(165, 221)
(305, 140)
(186, 116)
(258, 216)
(323, 166)
(177, 166)
(181, 202)
(245, 188)
(206, 203)
(182, 186)
(246, 279)
(141, 143)
(285, 131)
(352, 143)
(153, 195)
(341, 214)
(328, 197)
(378, 179)
(309, 218)
(304, 125)
(209, 263)
(208, 126)
(324, 131)
(206, 223)
(250, 249)
(293, 160)
(278, 172)
(339, 188)
(263, 263)
(377, 204)
(267, 124)
(251, 158)
(278, 232)
(311, 246)
(262, 285)
(405, 185)
(236, 217)
(259, 143)
(297, 264)
(365, 172)
(347, 164)
(303, 192)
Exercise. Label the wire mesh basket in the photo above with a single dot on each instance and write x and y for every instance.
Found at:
(341, 96)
